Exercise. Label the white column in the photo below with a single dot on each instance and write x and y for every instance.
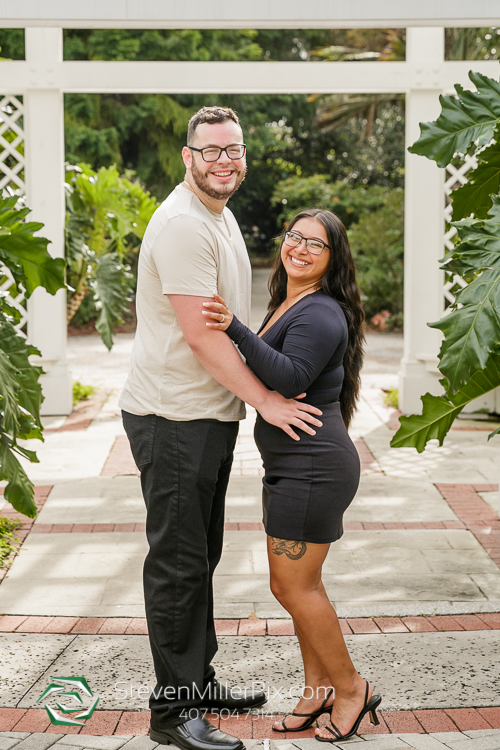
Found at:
(44, 146)
(424, 225)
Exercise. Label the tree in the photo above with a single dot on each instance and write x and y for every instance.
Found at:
(25, 261)
(469, 358)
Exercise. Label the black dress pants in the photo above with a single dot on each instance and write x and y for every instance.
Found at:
(185, 469)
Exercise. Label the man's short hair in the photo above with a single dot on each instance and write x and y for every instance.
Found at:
(211, 115)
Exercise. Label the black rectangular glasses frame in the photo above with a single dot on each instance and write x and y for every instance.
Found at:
(212, 148)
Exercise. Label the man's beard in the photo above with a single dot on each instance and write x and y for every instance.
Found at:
(201, 181)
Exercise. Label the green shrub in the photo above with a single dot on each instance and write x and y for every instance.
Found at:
(7, 538)
(391, 397)
(377, 245)
(349, 202)
(82, 392)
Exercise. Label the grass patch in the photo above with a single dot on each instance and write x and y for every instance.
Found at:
(391, 397)
(7, 538)
(81, 392)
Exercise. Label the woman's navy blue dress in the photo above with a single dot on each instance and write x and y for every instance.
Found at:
(307, 484)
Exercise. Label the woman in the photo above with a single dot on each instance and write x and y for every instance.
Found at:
(311, 340)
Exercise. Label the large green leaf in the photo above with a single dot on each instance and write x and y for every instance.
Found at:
(471, 332)
(26, 254)
(470, 117)
(479, 246)
(475, 196)
(20, 400)
(111, 294)
(19, 491)
(439, 412)
(16, 351)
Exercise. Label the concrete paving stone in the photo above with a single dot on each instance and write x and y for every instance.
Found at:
(456, 670)
(422, 742)
(39, 741)
(15, 735)
(481, 733)
(350, 587)
(387, 742)
(91, 741)
(70, 455)
(6, 743)
(489, 583)
(139, 743)
(95, 500)
(446, 737)
(114, 666)
(24, 657)
(73, 574)
(381, 608)
(470, 561)
(491, 742)
(236, 563)
(391, 499)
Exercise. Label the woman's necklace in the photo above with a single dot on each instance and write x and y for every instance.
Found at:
(225, 221)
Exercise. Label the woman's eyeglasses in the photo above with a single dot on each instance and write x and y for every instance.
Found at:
(316, 247)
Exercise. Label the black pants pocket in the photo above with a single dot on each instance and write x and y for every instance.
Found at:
(140, 432)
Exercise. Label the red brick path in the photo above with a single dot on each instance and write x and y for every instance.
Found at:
(251, 626)
(258, 725)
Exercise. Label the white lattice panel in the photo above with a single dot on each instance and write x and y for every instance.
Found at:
(455, 177)
(12, 180)
(18, 302)
(11, 145)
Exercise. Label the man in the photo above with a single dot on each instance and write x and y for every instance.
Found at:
(181, 406)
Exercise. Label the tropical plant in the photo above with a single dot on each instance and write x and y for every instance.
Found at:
(25, 262)
(106, 217)
(469, 357)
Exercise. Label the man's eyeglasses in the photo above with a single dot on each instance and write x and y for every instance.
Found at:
(316, 247)
(213, 153)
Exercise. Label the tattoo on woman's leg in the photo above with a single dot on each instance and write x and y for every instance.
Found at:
(293, 550)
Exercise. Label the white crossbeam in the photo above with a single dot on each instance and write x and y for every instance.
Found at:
(260, 14)
(238, 77)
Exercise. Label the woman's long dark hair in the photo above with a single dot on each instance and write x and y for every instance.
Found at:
(339, 282)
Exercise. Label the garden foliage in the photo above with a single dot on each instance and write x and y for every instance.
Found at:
(25, 256)
(469, 357)
(106, 217)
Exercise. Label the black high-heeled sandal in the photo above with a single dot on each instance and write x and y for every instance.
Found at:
(311, 718)
(370, 706)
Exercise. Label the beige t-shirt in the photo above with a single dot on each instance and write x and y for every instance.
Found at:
(186, 250)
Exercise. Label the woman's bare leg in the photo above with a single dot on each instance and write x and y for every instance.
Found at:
(296, 582)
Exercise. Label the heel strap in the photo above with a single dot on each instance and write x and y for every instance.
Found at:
(328, 696)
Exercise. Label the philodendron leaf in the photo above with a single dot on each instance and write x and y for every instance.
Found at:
(479, 246)
(475, 197)
(26, 254)
(471, 332)
(439, 412)
(470, 117)
(110, 295)
(19, 491)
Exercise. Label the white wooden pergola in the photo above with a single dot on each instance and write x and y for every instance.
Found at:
(43, 77)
